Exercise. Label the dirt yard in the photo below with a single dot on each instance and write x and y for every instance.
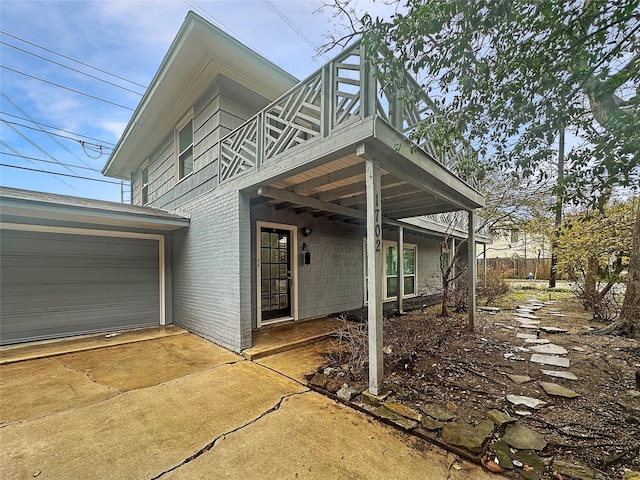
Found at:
(434, 360)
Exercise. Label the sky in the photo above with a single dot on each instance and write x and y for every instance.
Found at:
(73, 72)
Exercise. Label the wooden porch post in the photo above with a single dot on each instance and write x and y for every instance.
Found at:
(471, 265)
(400, 263)
(374, 282)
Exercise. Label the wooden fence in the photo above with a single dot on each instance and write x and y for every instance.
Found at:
(519, 267)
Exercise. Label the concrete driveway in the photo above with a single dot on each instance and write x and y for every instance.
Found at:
(180, 407)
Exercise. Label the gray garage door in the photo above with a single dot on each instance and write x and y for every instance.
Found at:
(56, 285)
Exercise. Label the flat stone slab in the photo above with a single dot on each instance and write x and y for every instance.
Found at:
(501, 450)
(488, 309)
(500, 418)
(556, 314)
(551, 348)
(431, 424)
(574, 471)
(559, 374)
(467, 436)
(527, 315)
(519, 379)
(384, 412)
(537, 341)
(525, 336)
(558, 390)
(528, 326)
(526, 321)
(437, 412)
(531, 460)
(523, 438)
(550, 360)
(554, 330)
(526, 401)
(524, 310)
(403, 410)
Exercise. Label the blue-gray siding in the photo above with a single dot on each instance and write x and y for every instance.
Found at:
(55, 284)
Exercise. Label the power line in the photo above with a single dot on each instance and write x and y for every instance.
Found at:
(73, 59)
(81, 142)
(66, 88)
(56, 173)
(3, 143)
(48, 161)
(293, 27)
(36, 145)
(72, 69)
(56, 128)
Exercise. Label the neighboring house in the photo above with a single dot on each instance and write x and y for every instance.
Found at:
(281, 180)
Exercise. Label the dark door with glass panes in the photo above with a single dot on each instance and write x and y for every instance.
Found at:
(275, 273)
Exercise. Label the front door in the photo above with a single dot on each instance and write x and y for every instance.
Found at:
(275, 273)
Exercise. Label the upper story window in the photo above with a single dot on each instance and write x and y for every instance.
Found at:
(144, 184)
(184, 147)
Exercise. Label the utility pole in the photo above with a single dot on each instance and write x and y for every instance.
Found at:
(554, 243)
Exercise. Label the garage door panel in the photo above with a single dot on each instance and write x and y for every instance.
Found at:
(57, 285)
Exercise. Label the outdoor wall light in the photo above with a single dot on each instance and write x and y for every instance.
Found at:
(306, 231)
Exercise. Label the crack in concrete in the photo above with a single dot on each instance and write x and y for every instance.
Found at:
(222, 436)
(86, 374)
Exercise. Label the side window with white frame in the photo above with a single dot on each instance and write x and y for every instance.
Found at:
(184, 147)
(144, 184)
(390, 270)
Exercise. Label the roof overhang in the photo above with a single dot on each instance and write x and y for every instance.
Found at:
(27, 207)
(199, 54)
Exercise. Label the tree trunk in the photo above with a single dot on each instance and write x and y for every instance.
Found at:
(629, 322)
(630, 315)
(591, 284)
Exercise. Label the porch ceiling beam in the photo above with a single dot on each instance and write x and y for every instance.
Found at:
(314, 203)
(387, 193)
(355, 188)
(329, 178)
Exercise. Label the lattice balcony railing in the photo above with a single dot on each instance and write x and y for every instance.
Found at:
(339, 93)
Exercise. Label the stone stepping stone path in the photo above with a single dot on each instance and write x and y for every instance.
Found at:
(560, 374)
(552, 360)
(519, 379)
(537, 341)
(550, 348)
(526, 401)
(553, 330)
(527, 315)
(526, 336)
(558, 390)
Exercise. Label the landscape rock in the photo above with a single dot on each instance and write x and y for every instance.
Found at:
(519, 379)
(466, 436)
(550, 360)
(403, 410)
(526, 401)
(437, 412)
(500, 418)
(527, 336)
(537, 341)
(574, 470)
(526, 321)
(530, 459)
(346, 393)
(319, 380)
(550, 348)
(384, 412)
(431, 424)
(374, 400)
(528, 316)
(501, 451)
(558, 374)
(523, 438)
(558, 390)
(333, 386)
(554, 330)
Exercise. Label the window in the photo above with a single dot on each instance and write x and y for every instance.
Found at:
(184, 147)
(390, 270)
(144, 185)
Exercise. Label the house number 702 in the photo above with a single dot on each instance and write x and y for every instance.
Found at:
(378, 228)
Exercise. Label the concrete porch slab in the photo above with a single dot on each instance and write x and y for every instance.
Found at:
(59, 346)
(288, 336)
